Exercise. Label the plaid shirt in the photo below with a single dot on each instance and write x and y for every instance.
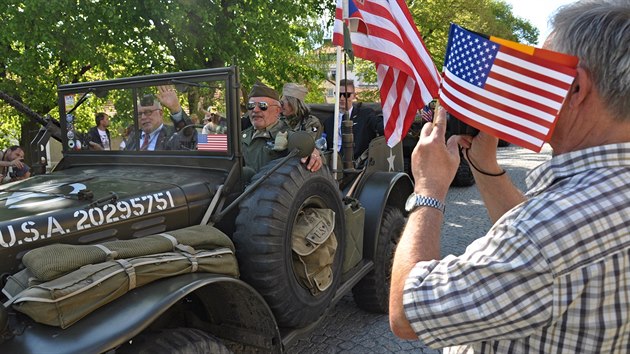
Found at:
(551, 276)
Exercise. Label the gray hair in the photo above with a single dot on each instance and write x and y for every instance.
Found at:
(598, 33)
(299, 107)
(149, 100)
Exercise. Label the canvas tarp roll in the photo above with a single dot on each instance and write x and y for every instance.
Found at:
(66, 299)
(50, 262)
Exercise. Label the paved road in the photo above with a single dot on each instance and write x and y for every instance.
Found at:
(347, 329)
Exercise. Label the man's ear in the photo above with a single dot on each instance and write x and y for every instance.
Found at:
(581, 88)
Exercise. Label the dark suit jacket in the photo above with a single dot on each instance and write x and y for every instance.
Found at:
(93, 136)
(164, 141)
(367, 125)
(161, 143)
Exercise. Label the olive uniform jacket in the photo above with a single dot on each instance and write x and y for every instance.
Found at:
(260, 147)
(311, 125)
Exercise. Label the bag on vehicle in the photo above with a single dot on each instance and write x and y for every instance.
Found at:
(314, 245)
(66, 299)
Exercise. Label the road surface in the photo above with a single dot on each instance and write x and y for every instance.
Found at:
(347, 329)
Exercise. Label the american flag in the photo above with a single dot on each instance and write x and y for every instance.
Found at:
(212, 142)
(509, 90)
(385, 33)
(426, 113)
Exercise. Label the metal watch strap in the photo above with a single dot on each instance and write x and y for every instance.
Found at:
(421, 200)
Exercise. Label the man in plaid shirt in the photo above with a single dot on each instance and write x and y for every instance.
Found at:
(553, 273)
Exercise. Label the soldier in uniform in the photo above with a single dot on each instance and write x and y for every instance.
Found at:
(296, 113)
(267, 138)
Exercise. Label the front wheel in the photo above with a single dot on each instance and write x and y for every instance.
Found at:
(263, 240)
(174, 341)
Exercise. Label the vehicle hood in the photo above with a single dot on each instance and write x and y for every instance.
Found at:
(59, 191)
(51, 207)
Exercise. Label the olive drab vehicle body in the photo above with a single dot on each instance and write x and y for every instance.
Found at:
(101, 203)
(463, 177)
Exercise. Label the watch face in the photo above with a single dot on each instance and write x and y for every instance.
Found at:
(410, 203)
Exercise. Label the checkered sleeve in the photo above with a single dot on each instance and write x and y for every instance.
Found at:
(500, 288)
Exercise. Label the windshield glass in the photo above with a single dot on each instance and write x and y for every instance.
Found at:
(171, 115)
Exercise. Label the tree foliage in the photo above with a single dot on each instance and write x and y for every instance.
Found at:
(47, 43)
(491, 17)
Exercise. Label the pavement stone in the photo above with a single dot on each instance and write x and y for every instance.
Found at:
(348, 329)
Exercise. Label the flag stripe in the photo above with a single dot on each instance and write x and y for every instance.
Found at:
(506, 92)
(517, 91)
(403, 34)
(407, 76)
(383, 25)
(381, 50)
(482, 123)
(475, 97)
(564, 60)
(532, 79)
(535, 71)
(419, 54)
(212, 142)
(529, 128)
(553, 69)
(404, 50)
(497, 98)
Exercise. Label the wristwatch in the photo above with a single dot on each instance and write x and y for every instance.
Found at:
(417, 200)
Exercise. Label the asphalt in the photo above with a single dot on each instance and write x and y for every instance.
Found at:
(348, 329)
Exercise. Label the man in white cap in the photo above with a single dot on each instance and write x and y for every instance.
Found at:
(267, 138)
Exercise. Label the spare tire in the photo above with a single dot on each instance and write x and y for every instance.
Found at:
(263, 241)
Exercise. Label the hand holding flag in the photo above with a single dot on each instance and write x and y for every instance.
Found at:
(509, 90)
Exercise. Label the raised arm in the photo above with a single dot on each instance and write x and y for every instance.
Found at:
(434, 165)
(495, 186)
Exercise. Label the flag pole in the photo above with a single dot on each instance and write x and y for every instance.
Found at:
(336, 137)
(336, 115)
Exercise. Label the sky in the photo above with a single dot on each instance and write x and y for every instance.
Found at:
(537, 12)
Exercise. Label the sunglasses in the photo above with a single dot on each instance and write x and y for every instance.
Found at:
(147, 113)
(262, 105)
(346, 94)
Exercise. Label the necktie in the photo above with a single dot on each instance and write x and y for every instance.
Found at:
(145, 142)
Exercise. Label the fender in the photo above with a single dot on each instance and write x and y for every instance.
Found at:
(381, 189)
(227, 299)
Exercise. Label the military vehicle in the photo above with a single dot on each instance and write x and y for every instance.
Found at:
(192, 184)
(463, 177)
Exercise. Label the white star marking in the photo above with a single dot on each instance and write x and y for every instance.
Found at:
(390, 160)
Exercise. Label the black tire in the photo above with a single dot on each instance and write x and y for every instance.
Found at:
(464, 176)
(372, 292)
(263, 243)
(175, 341)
